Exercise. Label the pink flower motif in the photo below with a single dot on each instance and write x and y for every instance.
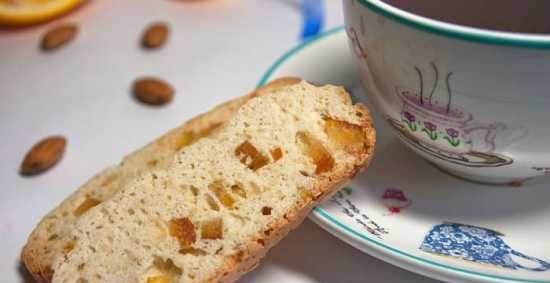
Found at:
(452, 133)
(409, 117)
(392, 193)
(394, 209)
(430, 126)
(395, 200)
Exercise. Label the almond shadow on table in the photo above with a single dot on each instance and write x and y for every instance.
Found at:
(309, 254)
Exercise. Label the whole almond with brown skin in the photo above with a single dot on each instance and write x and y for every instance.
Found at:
(43, 155)
(152, 91)
(58, 36)
(155, 35)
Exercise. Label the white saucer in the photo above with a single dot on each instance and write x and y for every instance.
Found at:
(407, 212)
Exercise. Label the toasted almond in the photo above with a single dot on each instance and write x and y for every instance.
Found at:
(155, 35)
(58, 36)
(43, 155)
(152, 91)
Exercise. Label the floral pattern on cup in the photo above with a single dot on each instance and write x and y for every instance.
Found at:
(410, 119)
(430, 121)
(451, 132)
(433, 125)
(431, 130)
(452, 136)
(479, 245)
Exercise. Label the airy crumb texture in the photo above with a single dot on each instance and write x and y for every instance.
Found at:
(50, 238)
(185, 223)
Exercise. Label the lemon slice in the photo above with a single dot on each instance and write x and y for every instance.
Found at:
(27, 12)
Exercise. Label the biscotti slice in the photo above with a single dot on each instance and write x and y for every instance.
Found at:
(228, 197)
(49, 239)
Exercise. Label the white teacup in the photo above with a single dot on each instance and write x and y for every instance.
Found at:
(475, 102)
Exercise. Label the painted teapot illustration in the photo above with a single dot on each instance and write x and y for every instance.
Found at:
(478, 244)
(445, 131)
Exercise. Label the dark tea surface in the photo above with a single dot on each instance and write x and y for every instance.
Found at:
(525, 16)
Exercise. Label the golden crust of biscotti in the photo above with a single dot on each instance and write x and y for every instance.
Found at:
(48, 238)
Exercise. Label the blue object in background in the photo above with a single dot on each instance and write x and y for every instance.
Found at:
(313, 17)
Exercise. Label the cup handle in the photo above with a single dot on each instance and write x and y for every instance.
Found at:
(543, 265)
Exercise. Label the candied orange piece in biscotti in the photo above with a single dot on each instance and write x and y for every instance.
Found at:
(313, 148)
(344, 135)
(250, 156)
